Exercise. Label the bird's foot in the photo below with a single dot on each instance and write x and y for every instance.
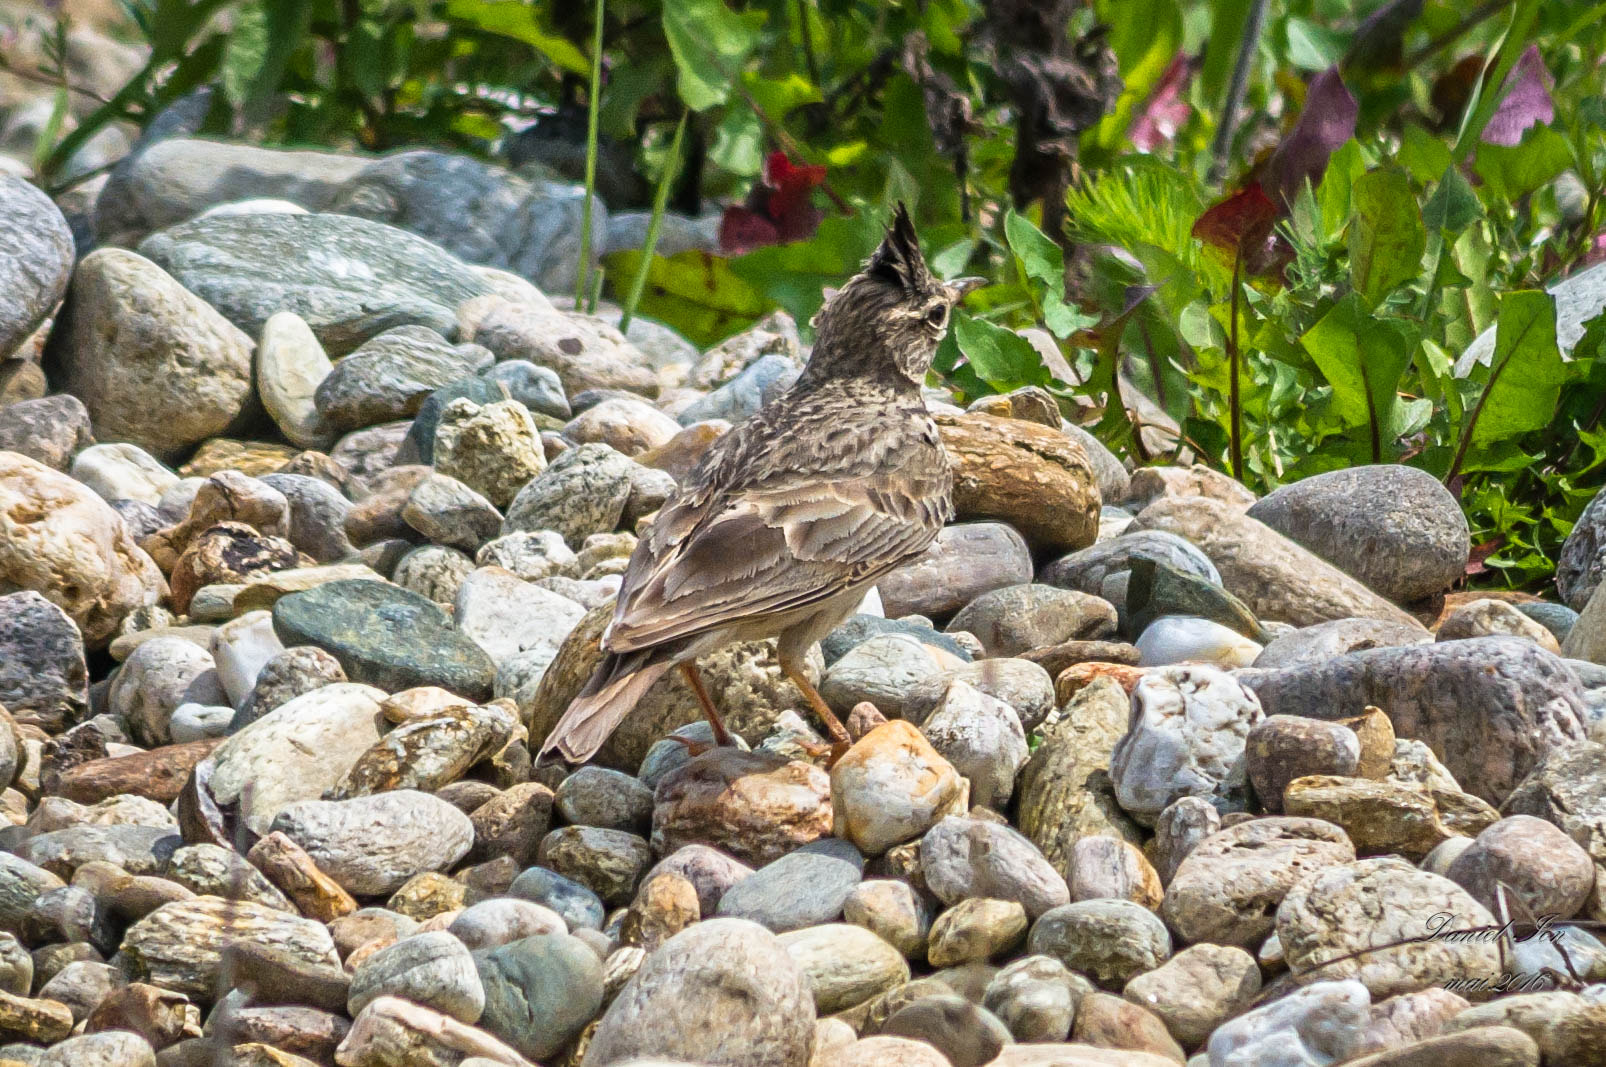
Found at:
(828, 751)
(693, 748)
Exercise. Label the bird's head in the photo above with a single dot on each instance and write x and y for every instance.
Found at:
(890, 317)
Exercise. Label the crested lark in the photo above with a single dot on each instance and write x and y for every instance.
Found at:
(793, 514)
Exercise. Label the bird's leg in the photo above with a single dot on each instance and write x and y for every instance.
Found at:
(722, 736)
(840, 741)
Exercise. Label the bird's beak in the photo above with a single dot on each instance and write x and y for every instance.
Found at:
(965, 286)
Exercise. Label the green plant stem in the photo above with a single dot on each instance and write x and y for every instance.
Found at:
(660, 200)
(807, 37)
(1472, 417)
(1235, 411)
(1236, 88)
(583, 269)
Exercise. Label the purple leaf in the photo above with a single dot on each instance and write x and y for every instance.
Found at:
(1526, 101)
(1326, 123)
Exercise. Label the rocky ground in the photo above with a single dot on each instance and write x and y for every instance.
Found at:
(311, 512)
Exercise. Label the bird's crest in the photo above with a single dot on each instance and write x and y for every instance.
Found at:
(898, 260)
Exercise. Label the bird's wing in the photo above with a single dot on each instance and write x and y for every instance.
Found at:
(773, 547)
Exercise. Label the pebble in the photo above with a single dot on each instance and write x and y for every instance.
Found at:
(966, 1034)
(754, 806)
(152, 361)
(433, 969)
(724, 988)
(964, 562)
(804, 888)
(1187, 738)
(1491, 618)
(575, 903)
(1282, 748)
(65, 543)
(373, 844)
(1371, 902)
(1319, 1024)
(291, 364)
(609, 862)
(1394, 527)
(1173, 639)
(891, 787)
(1274, 576)
(179, 945)
(1112, 941)
(975, 930)
(1488, 736)
(540, 991)
(495, 449)
(1020, 618)
(963, 858)
(1229, 886)
(844, 965)
(1547, 870)
(385, 636)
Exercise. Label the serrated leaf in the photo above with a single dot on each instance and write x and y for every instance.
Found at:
(1362, 357)
(1526, 372)
(1386, 237)
(1002, 358)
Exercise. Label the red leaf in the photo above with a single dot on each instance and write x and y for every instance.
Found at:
(742, 230)
(1526, 102)
(1327, 121)
(779, 210)
(1240, 221)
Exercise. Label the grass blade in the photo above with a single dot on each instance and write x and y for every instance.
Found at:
(660, 200)
(583, 268)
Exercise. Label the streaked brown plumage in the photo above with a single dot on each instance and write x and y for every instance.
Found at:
(790, 516)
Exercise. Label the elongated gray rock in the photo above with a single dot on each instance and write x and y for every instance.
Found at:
(348, 278)
(373, 844)
(1490, 707)
(35, 260)
(1277, 578)
(1394, 527)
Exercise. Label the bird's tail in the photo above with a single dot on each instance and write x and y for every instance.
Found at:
(619, 681)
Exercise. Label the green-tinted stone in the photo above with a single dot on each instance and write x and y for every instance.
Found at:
(349, 278)
(421, 438)
(1157, 589)
(385, 636)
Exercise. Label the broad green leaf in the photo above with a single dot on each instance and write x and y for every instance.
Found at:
(1525, 373)
(1002, 358)
(1362, 357)
(1453, 206)
(710, 43)
(1040, 257)
(1312, 46)
(950, 262)
(1386, 238)
(1425, 156)
(796, 275)
(1334, 195)
(1513, 172)
(694, 292)
(520, 21)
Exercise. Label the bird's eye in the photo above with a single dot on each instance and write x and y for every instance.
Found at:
(937, 317)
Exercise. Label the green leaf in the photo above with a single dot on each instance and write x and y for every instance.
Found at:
(1386, 238)
(710, 43)
(1040, 257)
(950, 262)
(1002, 358)
(1525, 373)
(1335, 193)
(1512, 172)
(796, 275)
(1454, 205)
(519, 21)
(1312, 46)
(1422, 154)
(1362, 357)
(693, 292)
(1227, 24)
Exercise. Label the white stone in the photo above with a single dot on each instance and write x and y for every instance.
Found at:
(982, 737)
(1190, 639)
(1185, 738)
(198, 722)
(296, 751)
(507, 616)
(290, 366)
(123, 472)
(1322, 1023)
(157, 677)
(242, 647)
